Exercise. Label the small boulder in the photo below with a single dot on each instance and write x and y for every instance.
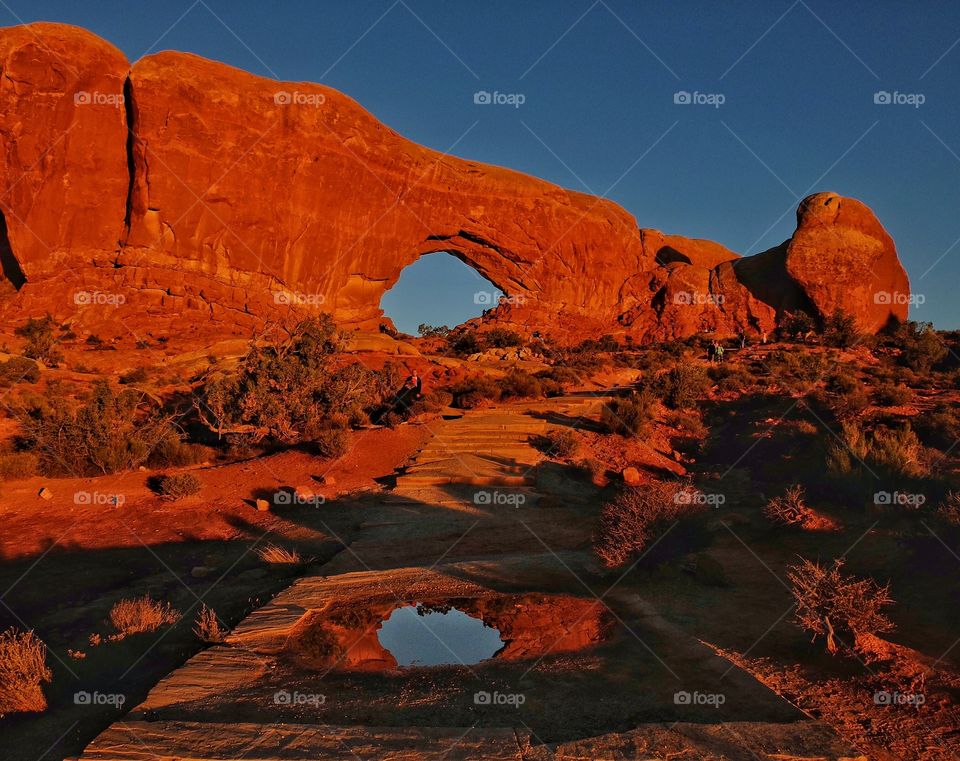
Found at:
(263, 505)
(631, 476)
(45, 493)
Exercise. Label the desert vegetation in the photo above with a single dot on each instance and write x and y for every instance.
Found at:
(23, 671)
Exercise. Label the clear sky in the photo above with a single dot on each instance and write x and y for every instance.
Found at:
(598, 79)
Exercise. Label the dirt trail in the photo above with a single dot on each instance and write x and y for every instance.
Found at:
(478, 512)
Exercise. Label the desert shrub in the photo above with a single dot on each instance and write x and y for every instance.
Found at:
(841, 382)
(289, 386)
(23, 669)
(688, 423)
(948, 512)
(892, 395)
(895, 451)
(561, 442)
(592, 468)
(501, 338)
(17, 465)
(330, 443)
(433, 331)
(840, 330)
(19, 370)
(178, 485)
(629, 416)
(41, 341)
(789, 509)
(276, 555)
(797, 323)
(921, 348)
(474, 392)
(171, 451)
(634, 517)
(837, 606)
(108, 433)
(559, 376)
(683, 385)
(940, 426)
(518, 384)
(141, 614)
(731, 378)
(207, 627)
(467, 342)
(137, 375)
(804, 366)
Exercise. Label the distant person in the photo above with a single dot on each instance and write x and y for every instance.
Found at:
(414, 385)
(712, 352)
(764, 338)
(743, 339)
(720, 351)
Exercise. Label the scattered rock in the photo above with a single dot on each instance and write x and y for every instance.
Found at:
(631, 476)
(200, 571)
(263, 505)
(45, 493)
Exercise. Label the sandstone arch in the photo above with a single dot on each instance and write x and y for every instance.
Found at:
(204, 191)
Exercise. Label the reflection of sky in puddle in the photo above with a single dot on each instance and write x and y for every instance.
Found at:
(436, 639)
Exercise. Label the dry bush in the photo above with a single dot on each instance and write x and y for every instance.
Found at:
(178, 485)
(630, 416)
(274, 554)
(893, 395)
(790, 509)
(561, 442)
(634, 516)
(23, 668)
(949, 510)
(837, 606)
(141, 614)
(896, 451)
(208, 627)
(16, 465)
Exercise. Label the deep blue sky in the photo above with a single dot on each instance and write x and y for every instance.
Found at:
(599, 79)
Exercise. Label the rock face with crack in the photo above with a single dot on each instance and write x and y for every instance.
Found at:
(206, 195)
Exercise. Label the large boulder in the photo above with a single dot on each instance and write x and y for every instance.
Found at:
(843, 260)
(207, 199)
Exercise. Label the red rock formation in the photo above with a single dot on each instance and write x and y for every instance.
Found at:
(238, 198)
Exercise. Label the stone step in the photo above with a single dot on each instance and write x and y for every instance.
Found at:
(421, 479)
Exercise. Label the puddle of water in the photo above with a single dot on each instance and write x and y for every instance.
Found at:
(437, 638)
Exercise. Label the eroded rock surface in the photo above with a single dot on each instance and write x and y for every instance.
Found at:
(232, 199)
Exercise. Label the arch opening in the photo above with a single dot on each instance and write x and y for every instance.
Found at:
(13, 277)
(438, 289)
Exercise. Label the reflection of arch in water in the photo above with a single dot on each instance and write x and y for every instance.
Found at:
(11, 267)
